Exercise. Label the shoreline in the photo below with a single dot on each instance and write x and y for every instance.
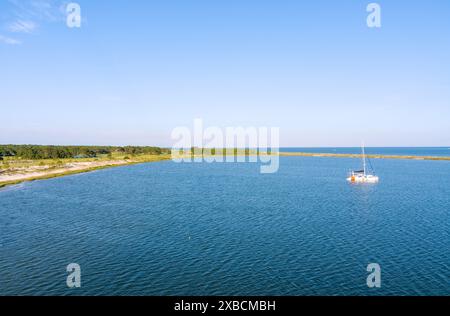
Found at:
(70, 169)
(8, 178)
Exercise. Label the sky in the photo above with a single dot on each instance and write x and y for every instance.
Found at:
(135, 70)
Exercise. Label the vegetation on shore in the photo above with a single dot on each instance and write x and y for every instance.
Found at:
(34, 152)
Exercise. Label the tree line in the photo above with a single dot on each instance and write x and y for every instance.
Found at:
(59, 152)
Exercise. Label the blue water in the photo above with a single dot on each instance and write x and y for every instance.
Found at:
(401, 151)
(225, 229)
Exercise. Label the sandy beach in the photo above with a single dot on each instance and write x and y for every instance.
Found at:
(15, 175)
(36, 172)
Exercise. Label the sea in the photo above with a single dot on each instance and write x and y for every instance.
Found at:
(169, 228)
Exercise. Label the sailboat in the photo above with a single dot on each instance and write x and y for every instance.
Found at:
(362, 176)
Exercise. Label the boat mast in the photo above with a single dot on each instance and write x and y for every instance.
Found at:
(364, 158)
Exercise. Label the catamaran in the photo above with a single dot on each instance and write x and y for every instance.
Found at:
(362, 176)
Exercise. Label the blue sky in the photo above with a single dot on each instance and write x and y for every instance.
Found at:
(137, 69)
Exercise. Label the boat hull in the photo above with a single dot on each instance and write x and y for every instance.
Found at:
(363, 179)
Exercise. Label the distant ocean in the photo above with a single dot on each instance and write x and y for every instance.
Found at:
(402, 151)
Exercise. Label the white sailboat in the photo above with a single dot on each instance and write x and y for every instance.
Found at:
(362, 176)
